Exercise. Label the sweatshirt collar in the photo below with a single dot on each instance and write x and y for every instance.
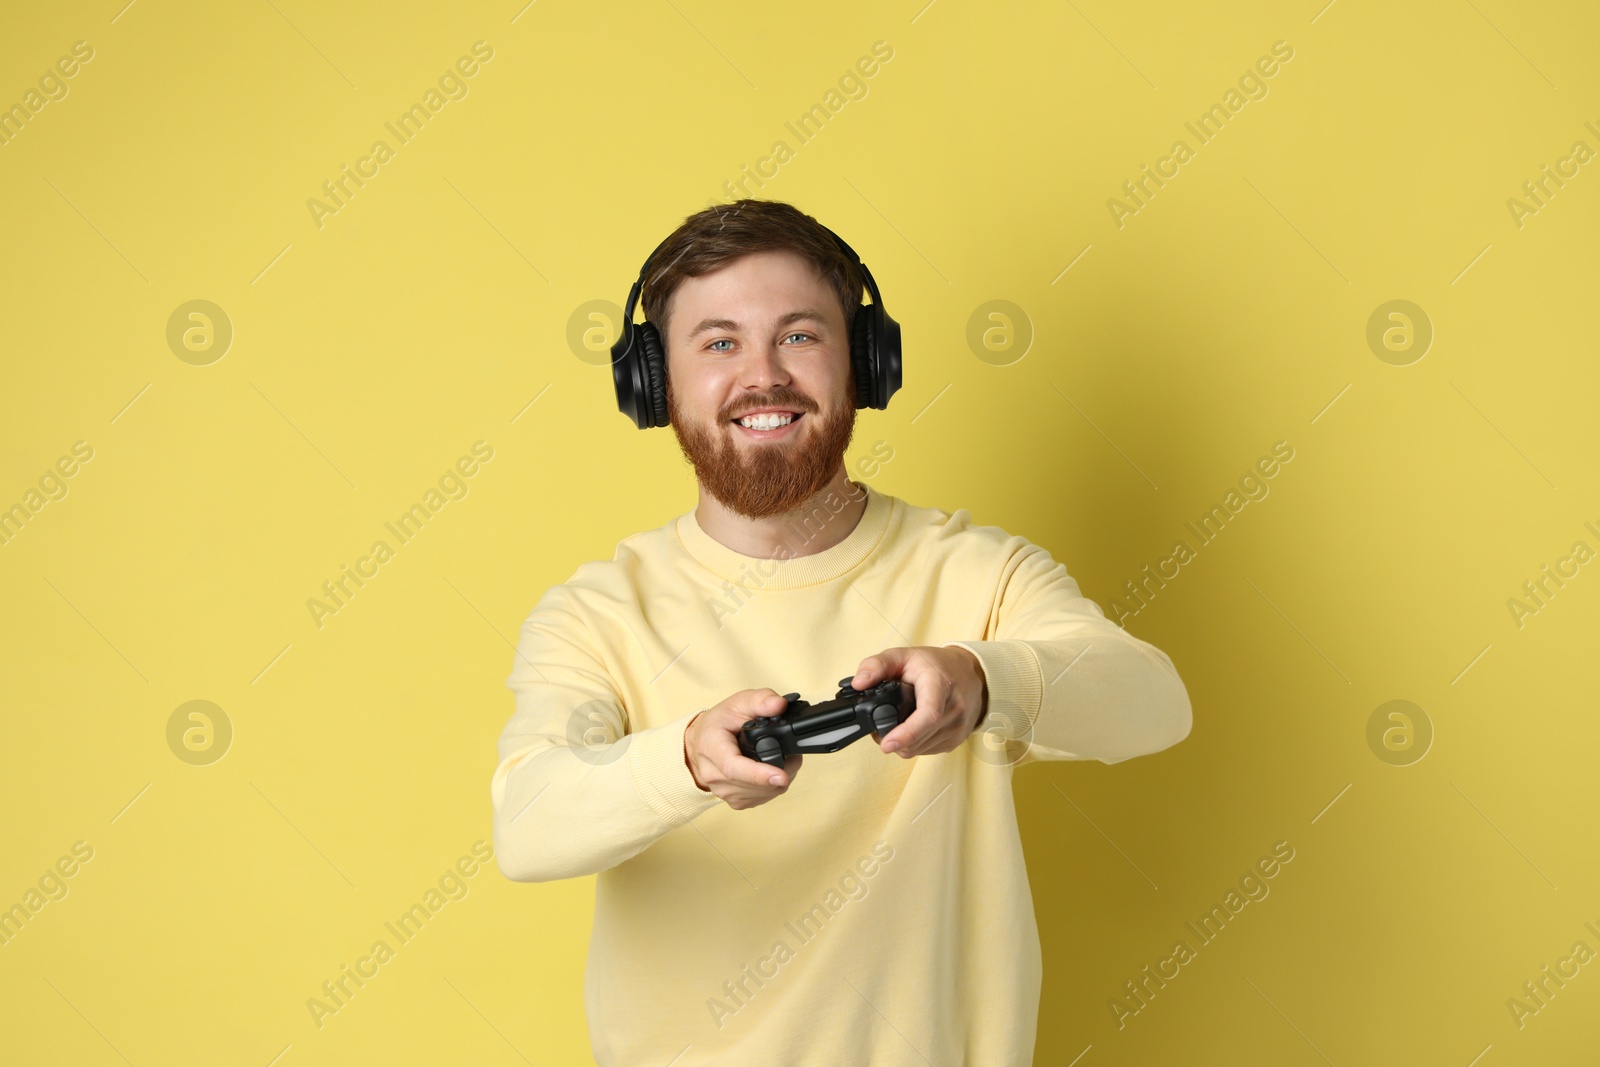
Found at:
(790, 570)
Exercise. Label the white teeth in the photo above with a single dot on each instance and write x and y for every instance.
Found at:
(765, 422)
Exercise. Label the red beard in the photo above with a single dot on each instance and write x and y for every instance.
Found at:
(760, 479)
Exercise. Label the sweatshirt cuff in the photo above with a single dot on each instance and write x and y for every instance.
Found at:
(1014, 679)
(655, 760)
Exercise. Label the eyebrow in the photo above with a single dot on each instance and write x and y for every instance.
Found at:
(729, 324)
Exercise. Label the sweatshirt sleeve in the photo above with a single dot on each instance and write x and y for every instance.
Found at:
(576, 791)
(1069, 681)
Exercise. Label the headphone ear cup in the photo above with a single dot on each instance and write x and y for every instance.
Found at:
(861, 353)
(654, 361)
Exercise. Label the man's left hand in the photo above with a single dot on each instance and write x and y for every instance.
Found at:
(951, 696)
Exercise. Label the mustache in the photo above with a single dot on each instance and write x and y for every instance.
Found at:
(788, 402)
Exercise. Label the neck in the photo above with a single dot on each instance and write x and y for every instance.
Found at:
(792, 533)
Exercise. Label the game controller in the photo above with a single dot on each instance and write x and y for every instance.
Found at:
(803, 727)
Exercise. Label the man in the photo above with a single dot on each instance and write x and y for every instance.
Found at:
(872, 907)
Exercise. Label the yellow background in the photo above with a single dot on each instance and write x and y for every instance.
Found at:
(370, 353)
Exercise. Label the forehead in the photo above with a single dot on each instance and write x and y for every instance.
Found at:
(755, 287)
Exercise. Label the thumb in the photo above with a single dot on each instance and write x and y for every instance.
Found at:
(760, 702)
(886, 664)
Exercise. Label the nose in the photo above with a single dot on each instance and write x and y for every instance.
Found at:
(764, 368)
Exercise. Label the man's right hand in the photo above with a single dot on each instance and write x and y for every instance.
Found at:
(711, 751)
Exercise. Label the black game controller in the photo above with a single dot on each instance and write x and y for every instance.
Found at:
(803, 727)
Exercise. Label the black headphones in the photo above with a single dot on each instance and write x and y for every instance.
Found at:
(639, 359)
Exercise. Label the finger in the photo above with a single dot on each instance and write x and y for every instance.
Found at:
(874, 669)
(769, 706)
(754, 773)
(735, 765)
(791, 767)
(932, 693)
(758, 773)
(754, 702)
(944, 738)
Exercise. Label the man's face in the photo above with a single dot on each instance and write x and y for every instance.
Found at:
(763, 333)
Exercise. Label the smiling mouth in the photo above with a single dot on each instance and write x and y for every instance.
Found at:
(776, 431)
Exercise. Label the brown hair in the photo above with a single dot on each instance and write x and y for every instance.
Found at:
(712, 238)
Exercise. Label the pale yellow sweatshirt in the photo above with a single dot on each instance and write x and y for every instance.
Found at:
(878, 912)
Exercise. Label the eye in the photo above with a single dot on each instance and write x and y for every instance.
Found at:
(720, 341)
(792, 335)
